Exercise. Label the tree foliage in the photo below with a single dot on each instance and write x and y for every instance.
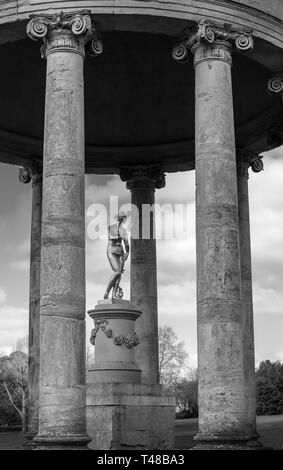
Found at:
(172, 357)
(187, 398)
(13, 386)
(269, 388)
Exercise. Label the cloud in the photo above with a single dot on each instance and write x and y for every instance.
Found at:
(3, 226)
(266, 215)
(279, 355)
(22, 265)
(24, 247)
(13, 325)
(3, 296)
(96, 193)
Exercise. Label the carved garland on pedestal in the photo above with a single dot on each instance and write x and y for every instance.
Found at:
(208, 32)
(76, 31)
(130, 340)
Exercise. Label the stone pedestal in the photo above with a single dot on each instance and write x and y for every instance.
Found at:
(129, 416)
(122, 413)
(115, 340)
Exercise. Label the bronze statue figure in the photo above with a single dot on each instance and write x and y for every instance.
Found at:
(117, 254)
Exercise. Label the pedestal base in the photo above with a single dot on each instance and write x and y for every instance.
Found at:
(129, 416)
(61, 442)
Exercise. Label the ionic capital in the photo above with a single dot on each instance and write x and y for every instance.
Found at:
(140, 177)
(31, 174)
(219, 41)
(275, 85)
(65, 32)
(247, 159)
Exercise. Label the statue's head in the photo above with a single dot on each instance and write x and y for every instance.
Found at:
(121, 217)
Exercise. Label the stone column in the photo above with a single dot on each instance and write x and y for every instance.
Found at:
(142, 182)
(62, 400)
(245, 160)
(222, 416)
(34, 174)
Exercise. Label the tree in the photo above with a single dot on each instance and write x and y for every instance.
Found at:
(269, 399)
(187, 398)
(22, 344)
(273, 372)
(172, 357)
(269, 387)
(13, 380)
(8, 415)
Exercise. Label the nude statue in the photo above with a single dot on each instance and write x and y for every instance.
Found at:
(117, 254)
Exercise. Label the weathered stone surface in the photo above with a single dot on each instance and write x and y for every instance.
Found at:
(222, 413)
(247, 296)
(115, 342)
(142, 182)
(34, 175)
(62, 419)
(34, 314)
(130, 416)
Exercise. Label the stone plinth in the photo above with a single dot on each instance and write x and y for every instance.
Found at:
(129, 416)
(122, 413)
(115, 340)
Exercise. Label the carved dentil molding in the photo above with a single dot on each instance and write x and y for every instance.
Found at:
(247, 159)
(151, 176)
(31, 174)
(220, 39)
(65, 31)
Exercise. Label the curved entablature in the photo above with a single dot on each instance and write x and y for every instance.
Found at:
(265, 18)
(146, 30)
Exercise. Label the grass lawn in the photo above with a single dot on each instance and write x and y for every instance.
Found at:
(270, 429)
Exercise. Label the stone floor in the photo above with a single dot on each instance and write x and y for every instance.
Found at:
(270, 429)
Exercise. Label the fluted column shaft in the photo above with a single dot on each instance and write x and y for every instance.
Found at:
(142, 182)
(34, 174)
(62, 416)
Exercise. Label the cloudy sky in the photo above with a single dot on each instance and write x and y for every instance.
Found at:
(176, 258)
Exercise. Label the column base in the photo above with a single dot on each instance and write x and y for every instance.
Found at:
(254, 443)
(74, 442)
(130, 416)
(29, 443)
(228, 442)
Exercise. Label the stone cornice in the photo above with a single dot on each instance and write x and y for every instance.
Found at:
(65, 31)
